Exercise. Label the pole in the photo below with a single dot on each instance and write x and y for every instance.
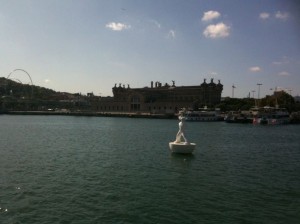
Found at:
(253, 91)
(233, 87)
(259, 84)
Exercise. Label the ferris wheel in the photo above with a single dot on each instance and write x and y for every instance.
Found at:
(23, 71)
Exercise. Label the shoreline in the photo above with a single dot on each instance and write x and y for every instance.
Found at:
(294, 120)
(92, 114)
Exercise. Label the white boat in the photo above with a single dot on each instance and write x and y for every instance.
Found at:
(270, 115)
(182, 147)
(203, 114)
(239, 117)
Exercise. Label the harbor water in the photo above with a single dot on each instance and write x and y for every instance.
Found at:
(63, 169)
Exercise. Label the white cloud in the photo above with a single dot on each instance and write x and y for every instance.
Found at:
(283, 61)
(171, 34)
(264, 15)
(210, 15)
(157, 24)
(213, 73)
(217, 31)
(117, 26)
(255, 69)
(46, 80)
(281, 15)
(278, 15)
(284, 74)
(277, 63)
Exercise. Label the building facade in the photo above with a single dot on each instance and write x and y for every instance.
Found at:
(159, 99)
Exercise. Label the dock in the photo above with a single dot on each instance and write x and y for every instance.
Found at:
(92, 114)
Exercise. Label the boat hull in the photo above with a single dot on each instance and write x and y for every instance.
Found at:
(271, 121)
(204, 114)
(182, 147)
(203, 119)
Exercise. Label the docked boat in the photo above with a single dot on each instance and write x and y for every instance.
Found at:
(295, 118)
(203, 114)
(270, 115)
(238, 117)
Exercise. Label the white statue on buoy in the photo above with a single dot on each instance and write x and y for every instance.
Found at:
(180, 133)
(179, 146)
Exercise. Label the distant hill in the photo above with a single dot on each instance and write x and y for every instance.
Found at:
(18, 90)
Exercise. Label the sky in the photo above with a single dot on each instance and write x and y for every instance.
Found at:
(91, 45)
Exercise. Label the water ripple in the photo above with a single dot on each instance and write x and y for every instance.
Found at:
(119, 170)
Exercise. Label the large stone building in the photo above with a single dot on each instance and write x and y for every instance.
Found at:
(160, 98)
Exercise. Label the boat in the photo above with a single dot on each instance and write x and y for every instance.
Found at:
(270, 115)
(203, 114)
(295, 118)
(182, 147)
(238, 117)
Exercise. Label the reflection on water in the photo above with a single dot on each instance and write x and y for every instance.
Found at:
(185, 159)
(181, 162)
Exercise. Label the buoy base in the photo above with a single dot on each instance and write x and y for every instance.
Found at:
(182, 147)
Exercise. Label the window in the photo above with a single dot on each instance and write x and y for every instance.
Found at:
(135, 103)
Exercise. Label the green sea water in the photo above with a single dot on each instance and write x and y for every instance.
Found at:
(57, 169)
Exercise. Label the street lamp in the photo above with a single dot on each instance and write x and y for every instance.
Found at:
(259, 84)
(233, 87)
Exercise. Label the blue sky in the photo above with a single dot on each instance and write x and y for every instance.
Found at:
(89, 45)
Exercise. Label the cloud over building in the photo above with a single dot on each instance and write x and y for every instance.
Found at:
(117, 26)
(264, 15)
(255, 69)
(210, 15)
(219, 30)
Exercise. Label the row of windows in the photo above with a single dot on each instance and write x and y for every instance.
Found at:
(135, 107)
(136, 99)
(162, 108)
(121, 108)
(191, 98)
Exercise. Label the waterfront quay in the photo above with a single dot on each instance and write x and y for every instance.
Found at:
(93, 114)
(294, 117)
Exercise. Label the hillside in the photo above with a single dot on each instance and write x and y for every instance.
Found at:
(10, 88)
